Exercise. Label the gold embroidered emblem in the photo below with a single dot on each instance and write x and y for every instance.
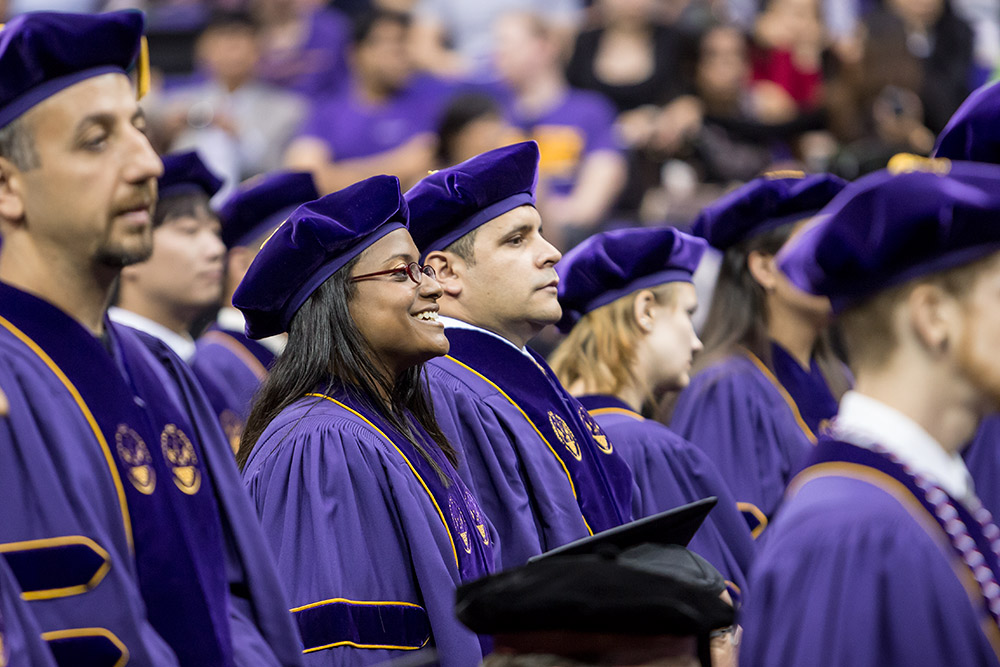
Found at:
(232, 425)
(179, 453)
(905, 163)
(565, 435)
(134, 453)
(458, 521)
(477, 517)
(595, 431)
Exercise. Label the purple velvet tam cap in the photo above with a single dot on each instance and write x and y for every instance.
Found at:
(41, 53)
(973, 133)
(611, 265)
(888, 228)
(318, 238)
(262, 203)
(448, 204)
(185, 173)
(764, 204)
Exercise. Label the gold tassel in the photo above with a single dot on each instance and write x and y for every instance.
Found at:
(142, 82)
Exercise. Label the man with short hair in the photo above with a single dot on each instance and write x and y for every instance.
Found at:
(881, 553)
(123, 517)
(229, 365)
(164, 295)
(542, 468)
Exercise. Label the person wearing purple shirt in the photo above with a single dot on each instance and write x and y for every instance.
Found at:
(627, 300)
(353, 480)
(582, 168)
(881, 553)
(760, 333)
(381, 122)
(545, 471)
(123, 517)
(304, 49)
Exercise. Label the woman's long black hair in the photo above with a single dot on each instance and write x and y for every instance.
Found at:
(326, 348)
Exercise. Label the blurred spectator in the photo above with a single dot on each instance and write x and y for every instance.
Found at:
(383, 122)
(629, 59)
(240, 125)
(472, 124)
(731, 131)
(899, 95)
(787, 60)
(983, 16)
(304, 45)
(582, 168)
(454, 38)
(941, 43)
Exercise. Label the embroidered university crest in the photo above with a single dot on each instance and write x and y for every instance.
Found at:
(595, 431)
(179, 453)
(565, 435)
(477, 516)
(458, 521)
(134, 453)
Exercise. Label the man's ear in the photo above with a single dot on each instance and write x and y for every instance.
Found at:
(450, 270)
(11, 189)
(933, 316)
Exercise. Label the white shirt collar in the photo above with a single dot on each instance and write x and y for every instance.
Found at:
(863, 420)
(183, 345)
(452, 323)
(231, 319)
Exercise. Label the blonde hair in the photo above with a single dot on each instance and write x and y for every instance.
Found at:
(600, 350)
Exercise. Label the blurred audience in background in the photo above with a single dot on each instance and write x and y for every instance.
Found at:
(644, 110)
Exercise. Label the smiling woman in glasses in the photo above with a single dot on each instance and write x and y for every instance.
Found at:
(352, 479)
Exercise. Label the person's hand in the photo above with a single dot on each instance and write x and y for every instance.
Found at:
(678, 121)
(4, 404)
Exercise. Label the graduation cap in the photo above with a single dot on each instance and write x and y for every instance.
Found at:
(185, 173)
(316, 240)
(973, 133)
(610, 265)
(450, 203)
(635, 581)
(262, 203)
(917, 217)
(42, 53)
(764, 204)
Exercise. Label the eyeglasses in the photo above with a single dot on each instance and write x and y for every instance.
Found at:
(413, 271)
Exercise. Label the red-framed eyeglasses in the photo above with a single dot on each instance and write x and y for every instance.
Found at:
(413, 271)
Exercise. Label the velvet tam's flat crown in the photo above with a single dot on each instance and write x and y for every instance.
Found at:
(448, 204)
(316, 240)
(610, 265)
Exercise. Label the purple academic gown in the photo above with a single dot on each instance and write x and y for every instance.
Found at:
(21, 643)
(808, 389)
(670, 472)
(858, 570)
(230, 367)
(126, 526)
(370, 542)
(737, 413)
(982, 457)
(543, 469)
